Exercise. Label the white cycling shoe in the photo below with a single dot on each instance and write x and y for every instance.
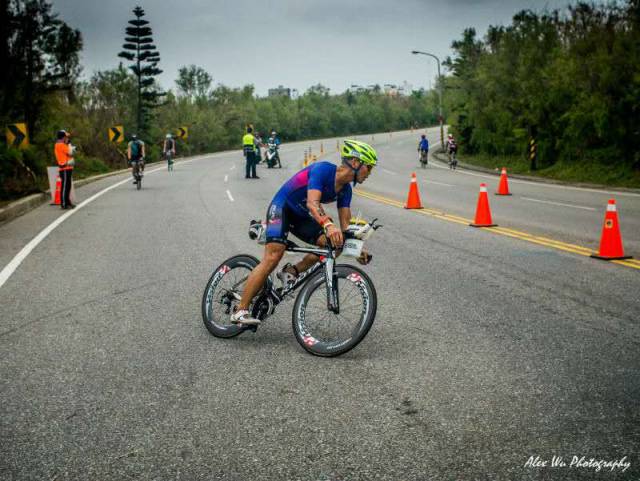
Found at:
(243, 317)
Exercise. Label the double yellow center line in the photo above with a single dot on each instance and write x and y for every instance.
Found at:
(544, 241)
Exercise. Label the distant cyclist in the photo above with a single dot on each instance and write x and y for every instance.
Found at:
(136, 154)
(297, 208)
(423, 148)
(452, 146)
(169, 150)
(452, 150)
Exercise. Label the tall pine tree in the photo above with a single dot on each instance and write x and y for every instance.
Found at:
(140, 50)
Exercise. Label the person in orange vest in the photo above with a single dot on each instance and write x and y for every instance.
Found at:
(63, 151)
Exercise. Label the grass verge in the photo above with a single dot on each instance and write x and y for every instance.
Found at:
(588, 172)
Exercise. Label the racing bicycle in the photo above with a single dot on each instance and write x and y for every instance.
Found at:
(137, 174)
(334, 308)
(424, 158)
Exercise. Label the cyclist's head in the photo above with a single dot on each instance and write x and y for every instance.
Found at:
(62, 134)
(363, 154)
(450, 136)
(134, 137)
(423, 136)
(273, 133)
(168, 136)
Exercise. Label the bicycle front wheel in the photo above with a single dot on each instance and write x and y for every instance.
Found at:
(324, 333)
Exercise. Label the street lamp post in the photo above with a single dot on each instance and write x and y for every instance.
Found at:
(417, 52)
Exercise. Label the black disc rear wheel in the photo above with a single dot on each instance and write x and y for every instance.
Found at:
(223, 293)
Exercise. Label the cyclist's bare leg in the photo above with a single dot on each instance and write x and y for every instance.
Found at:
(273, 253)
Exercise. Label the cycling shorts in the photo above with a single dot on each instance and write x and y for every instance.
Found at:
(281, 220)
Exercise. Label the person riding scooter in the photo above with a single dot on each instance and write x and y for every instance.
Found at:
(272, 155)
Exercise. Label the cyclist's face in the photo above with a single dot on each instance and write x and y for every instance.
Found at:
(364, 172)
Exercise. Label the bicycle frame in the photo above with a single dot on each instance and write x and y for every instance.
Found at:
(327, 260)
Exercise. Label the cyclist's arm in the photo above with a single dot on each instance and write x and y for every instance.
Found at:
(320, 216)
(315, 207)
(344, 214)
(129, 152)
(143, 152)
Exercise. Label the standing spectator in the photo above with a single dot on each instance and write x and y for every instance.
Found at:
(258, 143)
(64, 151)
(249, 148)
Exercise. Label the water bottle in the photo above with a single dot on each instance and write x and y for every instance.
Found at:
(258, 230)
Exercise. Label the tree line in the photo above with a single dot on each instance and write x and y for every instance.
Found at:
(44, 89)
(568, 79)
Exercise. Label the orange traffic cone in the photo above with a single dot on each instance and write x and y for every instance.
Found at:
(483, 213)
(503, 187)
(611, 240)
(413, 200)
(56, 198)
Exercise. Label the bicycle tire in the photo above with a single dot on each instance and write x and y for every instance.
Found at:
(138, 183)
(317, 347)
(214, 326)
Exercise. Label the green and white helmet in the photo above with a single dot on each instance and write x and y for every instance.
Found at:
(354, 149)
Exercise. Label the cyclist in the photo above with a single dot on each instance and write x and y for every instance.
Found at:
(135, 154)
(423, 148)
(297, 208)
(169, 150)
(452, 147)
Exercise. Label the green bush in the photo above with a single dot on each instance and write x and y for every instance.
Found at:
(22, 172)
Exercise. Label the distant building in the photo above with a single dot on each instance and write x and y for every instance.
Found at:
(281, 91)
(398, 90)
(405, 89)
(391, 90)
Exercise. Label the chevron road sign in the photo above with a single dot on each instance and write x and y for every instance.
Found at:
(116, 134)
(17, 136)
(182, 133)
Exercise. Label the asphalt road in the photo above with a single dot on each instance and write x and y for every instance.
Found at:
(486, 350)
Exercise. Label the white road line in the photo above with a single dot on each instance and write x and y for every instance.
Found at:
(388, 171)
(543, 184)
(229, 195)
(233, 166)
(10, 268)
(226, 178)
(438, 183)
(26, 250)
(557, 203)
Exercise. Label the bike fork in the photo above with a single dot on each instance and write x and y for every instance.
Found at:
(331, 278)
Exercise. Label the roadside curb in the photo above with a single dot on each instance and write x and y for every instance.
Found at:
(541, 180)
(26, 204)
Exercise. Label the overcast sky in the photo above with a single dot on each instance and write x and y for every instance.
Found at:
(296, 43)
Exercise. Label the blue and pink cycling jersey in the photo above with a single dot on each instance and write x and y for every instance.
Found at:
(288, 210)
